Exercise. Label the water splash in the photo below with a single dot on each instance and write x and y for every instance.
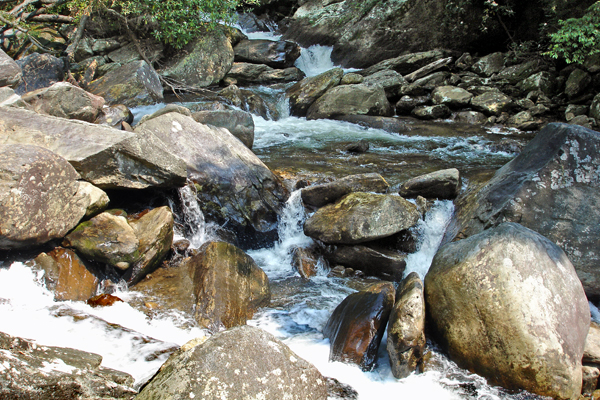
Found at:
(193, 218)
(315, 60)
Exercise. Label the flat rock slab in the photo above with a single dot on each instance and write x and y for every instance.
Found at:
(106, 157)
(361, 217)
(325, 193)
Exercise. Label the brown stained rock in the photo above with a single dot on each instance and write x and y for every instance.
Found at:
(381, 263)
(66, 275)
(361, 217)
(305, 261)
(229, 286)
(103, 300)
(357, 324)
(40, 198)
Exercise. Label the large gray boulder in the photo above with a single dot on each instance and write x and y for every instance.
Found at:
(133, 84)
(239, 123)
(451, 96)
(492, 103)
(106, 157)
(304, 93)
(550, 187)
(243, 362)
(325, 193)
(248, 73)
(361, 217)
(507, 304)
(275, 54)
(66, 101)
(406, 327)
(390, 80)
(40, 196)
(406, 63)
(489, 65)
(202, 62)
(442, 184)
(33, 371)
(351, 99)
(10, 72)
(356, 326)
(233, 183)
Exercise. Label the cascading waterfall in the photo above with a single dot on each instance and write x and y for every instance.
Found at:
(192, 216)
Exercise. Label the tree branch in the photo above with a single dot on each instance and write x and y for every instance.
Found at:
(52, 18)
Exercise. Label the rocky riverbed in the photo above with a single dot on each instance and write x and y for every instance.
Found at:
(173, 213)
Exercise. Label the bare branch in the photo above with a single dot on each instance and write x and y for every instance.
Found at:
(78, 36)
(52, 18)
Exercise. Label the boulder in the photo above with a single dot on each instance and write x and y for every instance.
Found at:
(470, 117)
(325, 193)
(107, 238)
(154, 231)
(577, 83)
(304, 93)
(589, 379)
(591, 352)
(422, 86)
(133, 84)
(356, 326)
(489, 65)
(32, 371)
(114, 116)
(549, 188)
(351, 78)
(202, 62)
(595, 108)
(406, 104)
(431, 112)
(241, 361)
(390, 80)
(97, 198)
(382, 263)
(66, 275)
(230, 287)
(350, 99)
(10, 72)
(106, 157)
(305, 260)
(406, 327)
(40, 196)
(575, 110)
(442, 184)
(275, 54)
(233, 183)
(66, 101)
(239, 123)
(249, 101)
(428, 69)
(524, 121)
(39, 71)
(492, 103)
(152, 49)
(169, 108)
(507, 305)
(361, 217)
(516, 73)
(388, 124)
(542, 81)
(451, 96)
(247, 73)
(8, 98)
(406, 63)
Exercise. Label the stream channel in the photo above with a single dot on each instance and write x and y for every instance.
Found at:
(131, 341)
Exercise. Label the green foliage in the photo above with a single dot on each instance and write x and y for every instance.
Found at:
(577, 38)
(176, 22)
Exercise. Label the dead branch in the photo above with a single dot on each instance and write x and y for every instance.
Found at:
(80, 29)
(18, 27)
(52, 18)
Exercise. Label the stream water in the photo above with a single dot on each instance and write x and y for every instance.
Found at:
(131, 341)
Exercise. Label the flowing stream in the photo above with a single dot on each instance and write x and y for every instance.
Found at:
(131, 341)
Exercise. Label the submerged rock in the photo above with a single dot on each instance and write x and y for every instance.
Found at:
(243, 361)
(32, 371)
(406, 327)
(507, 304)
(40, 196)
(549, 187)
(325, 193)
(357, 324)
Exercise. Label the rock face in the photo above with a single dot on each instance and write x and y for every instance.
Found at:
(106, 157)
(239, 123)
(361, 217)
(243, 362)
(304, 93)
(40, 197)
(548, 187)
(133, 84)
(275, 54)
(66, 101)
(350, 99)
(66, 275)
(230, 287)
(203, 62)
(46, 373)
(507, 304)
(10, 72)
(233, 183)
(39, 71)
(443, 184)
(357, 325)
(320, 195)
(406, 327)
